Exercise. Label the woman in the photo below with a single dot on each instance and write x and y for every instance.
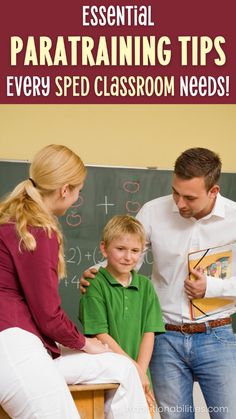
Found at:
(34, 369)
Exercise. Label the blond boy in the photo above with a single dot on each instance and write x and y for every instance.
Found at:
(121, 307)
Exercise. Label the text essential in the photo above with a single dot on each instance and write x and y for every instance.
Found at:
(129, 15)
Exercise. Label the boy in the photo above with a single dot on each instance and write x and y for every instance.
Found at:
(120, 306)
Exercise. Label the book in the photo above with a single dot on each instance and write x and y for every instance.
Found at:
(218, 262)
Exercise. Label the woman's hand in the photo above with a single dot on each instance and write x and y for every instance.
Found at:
(95, 346)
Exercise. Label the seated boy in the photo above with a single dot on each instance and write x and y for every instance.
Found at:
(120, 307)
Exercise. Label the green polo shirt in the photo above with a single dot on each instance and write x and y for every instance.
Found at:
(125, 313)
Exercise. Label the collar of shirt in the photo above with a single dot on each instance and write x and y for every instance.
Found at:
(133, 284)
(217, 211)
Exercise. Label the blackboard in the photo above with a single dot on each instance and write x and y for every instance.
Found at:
(107, 191)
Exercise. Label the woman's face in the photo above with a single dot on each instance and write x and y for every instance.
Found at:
(68, 196)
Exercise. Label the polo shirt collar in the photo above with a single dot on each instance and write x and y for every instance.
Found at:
(217, 211)
(134, 283)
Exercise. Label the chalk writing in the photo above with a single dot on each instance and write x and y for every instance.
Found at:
(106, 205)
(131, 187)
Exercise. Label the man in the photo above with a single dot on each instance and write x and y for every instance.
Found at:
(202, 350)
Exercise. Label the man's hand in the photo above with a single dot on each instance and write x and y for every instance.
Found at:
(196, 288)
(83, 283)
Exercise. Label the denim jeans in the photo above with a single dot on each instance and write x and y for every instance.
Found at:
(210, 358)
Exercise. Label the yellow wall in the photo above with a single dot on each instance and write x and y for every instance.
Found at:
(123, 135)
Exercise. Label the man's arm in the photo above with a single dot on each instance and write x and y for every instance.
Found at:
(209, 287)
(218, 287)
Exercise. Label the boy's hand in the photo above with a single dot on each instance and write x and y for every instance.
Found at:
(83, 283)
(147, 390)
(150, 400)
(143, 377)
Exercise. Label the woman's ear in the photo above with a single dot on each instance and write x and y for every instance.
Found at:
(103, 249)
(64, 190)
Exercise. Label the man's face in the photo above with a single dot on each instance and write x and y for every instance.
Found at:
(192, 198)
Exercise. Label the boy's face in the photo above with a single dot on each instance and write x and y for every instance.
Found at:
(122, 254)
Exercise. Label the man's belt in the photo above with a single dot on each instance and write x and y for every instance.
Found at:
(189, 328)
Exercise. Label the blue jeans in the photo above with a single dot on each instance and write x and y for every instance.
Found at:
(210, 358)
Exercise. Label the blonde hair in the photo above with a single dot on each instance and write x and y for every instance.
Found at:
(51, 168)
(123, 224)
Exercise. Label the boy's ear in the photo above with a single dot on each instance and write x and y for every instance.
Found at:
(103, 249)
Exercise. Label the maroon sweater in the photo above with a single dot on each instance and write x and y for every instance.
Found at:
(29, 297)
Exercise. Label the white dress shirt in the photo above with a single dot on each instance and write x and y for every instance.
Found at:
(172, 237)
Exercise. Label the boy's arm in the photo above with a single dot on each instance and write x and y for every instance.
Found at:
(105, 338)
(153, 324)
(113, 345)
(145, 350)
(143, 359)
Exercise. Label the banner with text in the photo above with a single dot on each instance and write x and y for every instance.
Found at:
(115, 52)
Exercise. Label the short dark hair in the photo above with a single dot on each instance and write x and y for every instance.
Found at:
(199, 162)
